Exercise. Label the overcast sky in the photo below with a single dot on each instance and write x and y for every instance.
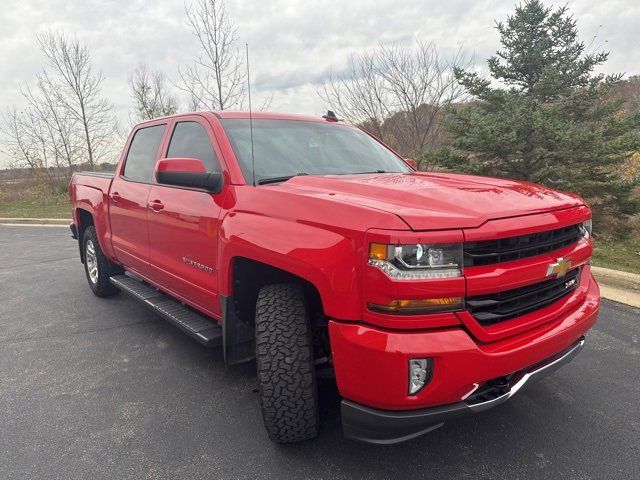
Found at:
(294, 43)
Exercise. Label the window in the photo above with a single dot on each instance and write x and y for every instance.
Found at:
(190, 140)
(290, 147)
(141, 158)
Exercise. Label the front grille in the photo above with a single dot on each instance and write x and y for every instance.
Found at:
(501, 306)
(488, 252)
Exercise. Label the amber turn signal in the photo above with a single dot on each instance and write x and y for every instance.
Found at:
(427, 305)
(377, 251)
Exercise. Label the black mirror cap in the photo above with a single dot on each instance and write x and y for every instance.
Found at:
(210, 181)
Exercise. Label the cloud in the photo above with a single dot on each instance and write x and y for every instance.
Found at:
(294, 44)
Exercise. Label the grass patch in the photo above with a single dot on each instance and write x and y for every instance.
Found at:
(618, 254)
(51, 207)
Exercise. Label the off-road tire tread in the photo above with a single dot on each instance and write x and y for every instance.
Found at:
(106, 268)
(286, 372)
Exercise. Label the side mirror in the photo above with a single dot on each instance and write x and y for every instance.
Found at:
(187, 172)
(411, 162)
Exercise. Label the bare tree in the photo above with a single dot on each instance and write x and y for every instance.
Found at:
(266, 104)
(77, 88)
(25, 140)
(63, 131)
(150, 92)
(216, 79)
(360, 94)
(398, 93)
(16, 139)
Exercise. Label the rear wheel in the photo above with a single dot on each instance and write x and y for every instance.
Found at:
(97, 266)
(286, 372)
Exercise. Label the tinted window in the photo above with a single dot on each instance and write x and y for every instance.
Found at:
(190, 140)
(141, 159)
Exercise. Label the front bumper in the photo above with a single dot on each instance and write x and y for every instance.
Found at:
(378, 426)
(371, 366)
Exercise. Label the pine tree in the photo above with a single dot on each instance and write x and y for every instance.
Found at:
(545, 115)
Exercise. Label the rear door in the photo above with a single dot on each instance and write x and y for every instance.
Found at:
(128, 197)
(183, 222)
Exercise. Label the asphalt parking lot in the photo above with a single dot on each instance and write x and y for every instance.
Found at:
(95, 388)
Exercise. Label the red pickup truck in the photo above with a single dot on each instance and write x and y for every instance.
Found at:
(307, 244)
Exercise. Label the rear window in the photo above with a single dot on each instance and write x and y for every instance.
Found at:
(141, 158)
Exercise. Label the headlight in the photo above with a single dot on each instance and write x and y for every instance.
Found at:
(586, 228)
(417, 261)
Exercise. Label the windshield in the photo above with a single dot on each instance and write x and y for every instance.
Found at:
(284, 148)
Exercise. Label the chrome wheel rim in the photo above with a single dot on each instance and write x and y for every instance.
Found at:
(92, 261)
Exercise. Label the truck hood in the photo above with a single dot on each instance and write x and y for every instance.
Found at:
(428, 201)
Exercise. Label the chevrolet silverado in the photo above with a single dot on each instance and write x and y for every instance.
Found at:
(308, 245)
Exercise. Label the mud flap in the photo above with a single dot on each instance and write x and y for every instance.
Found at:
(238, 338)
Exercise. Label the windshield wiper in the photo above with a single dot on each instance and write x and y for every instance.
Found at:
(363, 173)
(265, 181)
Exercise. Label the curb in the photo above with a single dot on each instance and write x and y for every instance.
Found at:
(36, 221)
(623, 287)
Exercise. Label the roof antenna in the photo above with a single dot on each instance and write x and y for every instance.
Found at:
(253, 159)
(330, 116)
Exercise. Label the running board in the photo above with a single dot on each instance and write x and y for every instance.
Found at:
(202, 328)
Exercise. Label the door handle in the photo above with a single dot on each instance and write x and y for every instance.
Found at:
(115, 196)
(156, 205)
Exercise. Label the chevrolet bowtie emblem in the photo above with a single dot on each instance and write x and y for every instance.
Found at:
(559, 268)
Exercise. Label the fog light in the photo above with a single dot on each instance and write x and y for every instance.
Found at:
(420, 371)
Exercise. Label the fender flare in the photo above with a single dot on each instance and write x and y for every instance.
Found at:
(328, 260)
(93, 201)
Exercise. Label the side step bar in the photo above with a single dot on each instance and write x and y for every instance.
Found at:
(198, 326)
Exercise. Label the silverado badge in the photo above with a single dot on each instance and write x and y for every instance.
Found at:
(559, 268)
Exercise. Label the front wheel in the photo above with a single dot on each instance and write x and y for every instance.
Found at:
(97, 266)
(286, 372)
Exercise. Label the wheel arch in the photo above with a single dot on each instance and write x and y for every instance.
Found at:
(328, 259)
(84, 220)
(247, 277)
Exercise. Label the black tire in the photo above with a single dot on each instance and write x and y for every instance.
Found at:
(98, 280)
(286, 372)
